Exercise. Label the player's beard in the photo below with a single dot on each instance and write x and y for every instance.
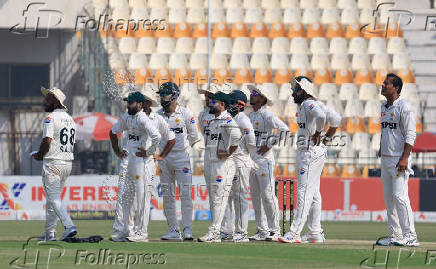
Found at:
(298, 99)
(49, 108)
(214, 109)
(233, 110)
(132, 111)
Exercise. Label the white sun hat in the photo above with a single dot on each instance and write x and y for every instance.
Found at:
(213, 88)
(57, 93)
(150, 94)
(305, 84)
(262, 91)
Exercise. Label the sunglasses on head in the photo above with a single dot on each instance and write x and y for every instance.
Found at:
(254, 93)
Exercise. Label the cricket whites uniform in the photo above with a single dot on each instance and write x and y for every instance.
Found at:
(57, 164)
(176, 166)
(222, 133)
(139, 129)
(237, 210)
(397, 128)
(262, 181)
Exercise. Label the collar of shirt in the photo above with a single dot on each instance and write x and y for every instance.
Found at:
(223, 115)
(152, 115)
(395, 103)
(58, 110)
(262, 108)
(178, 110)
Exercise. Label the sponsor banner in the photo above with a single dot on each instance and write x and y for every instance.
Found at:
(350, 215)
(379, 216)
(425, 216)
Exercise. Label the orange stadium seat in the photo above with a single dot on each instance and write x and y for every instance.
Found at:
(201, 76)
(354, 125)
(343, 76)
(406, 75)
(296, 30)
(243, 76)
(182, 30)
(330, 170)
(144, 32)
(106, 33)
(380, 76)
(303, 72)
(322, 76)
(277, 30)
(369, 31)
(290, 170)
(315, 30)
(282, 76)
(292, 124)
(200, 30)
(365, 172)
(222, 75)
(353, 30)
(183, 76)
(262, 75)
(162, 75)
(258, 29)
(394, 30)
(419, 125)
(164, 30)
(363, 76)
(335, 30)
(198, 169)
(350, 170)
(239, 30)
(374, 126)
(122, 32)
(122, 76)
(220, 29)
(277, 170)
(142, 76)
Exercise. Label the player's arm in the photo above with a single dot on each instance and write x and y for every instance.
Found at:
(408, 128)
(319, 116)
(248, 135)
(235, 135)
(335, 120)
(191, 128)
(47, 134)
(119, 127)
(148, 127)
(282, 132)
(168, 134)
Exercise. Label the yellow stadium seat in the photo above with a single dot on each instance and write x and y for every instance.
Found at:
(303, 72)
(243, 76)
(182, 30)
(277, 30)
(144, 32)
(222, 75)
(142, 76)
(315, 30)
(350, 170)
(353, 30)
(363, 76)
(162, 75)
(122, 76)
(406, 75)
(296, 30)
(220, 29)
(164, 30)
(293, 125)
(343, 76)
(355, 125)
(374, 126)
(201, 76)
(394, 30)
(290, 170)
(183, 76)
(239, 30)
(258, 29)
(330, 170)
(262, 75)
(335, 30)
(380, 76)
(365, 172)
(200, 30)
(282, 76)
(322, 76)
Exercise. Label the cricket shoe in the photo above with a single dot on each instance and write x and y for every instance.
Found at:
(68, 233)
(138, 237)
(187, 234)
(226, 237)
(47, 236)
(260, 236)
(290, 238)
(310, 238)
(240, 238)
(210, 238)
(385, 241)
(115, 238)
(407, 241)
(172, 235)
(273, 236)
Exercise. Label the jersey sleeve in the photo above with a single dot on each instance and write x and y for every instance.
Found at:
(315, 110)
(164, 129)
(248, 134)
(152, 133)
(120, 125)
(276, 123)
(408, 124)
(191, 128)
(48, 127)
(333, 117)
(233, 132)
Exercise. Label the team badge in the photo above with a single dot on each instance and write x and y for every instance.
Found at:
(138, 176)
(192, 120)
(302, 171)
(311, 106)
(256, 123)
(263, 174)
(219, 178)
(177, 120)
(185, 170)
(229, 119)
(48, 120)
(246, 131)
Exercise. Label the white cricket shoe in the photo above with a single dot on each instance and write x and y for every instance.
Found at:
(47, 236)
(187, 234)
(240, 238)
(116, 238)
(407, 241)
(290, 238)
(273, 236)
(172, 235)
(226, 237)
(68, 233)
(210, 238)
(385, 241)
(260, 236)
(138, 237)
(310, 238)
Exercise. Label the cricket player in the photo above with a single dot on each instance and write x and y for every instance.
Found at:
(176, 166)
(57, 153)
(398, 133)
(262, 181)
(222, 139)
(238, 200)
(139, 129)
(312, 117)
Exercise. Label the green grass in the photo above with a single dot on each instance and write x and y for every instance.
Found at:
(335, 253)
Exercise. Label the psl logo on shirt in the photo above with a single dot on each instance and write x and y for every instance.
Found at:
(219, 178)
(302, 171)
(192, 120)
(48, 120)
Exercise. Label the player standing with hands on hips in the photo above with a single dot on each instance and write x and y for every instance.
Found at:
(398, 133)
(139, 129)
(57, 153)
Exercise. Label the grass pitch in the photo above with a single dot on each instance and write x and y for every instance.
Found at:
(349, 245)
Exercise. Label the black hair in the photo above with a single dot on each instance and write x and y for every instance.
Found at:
(299, 78)
(396, 81)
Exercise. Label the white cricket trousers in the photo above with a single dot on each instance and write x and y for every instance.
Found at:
(54, 176)
(263, 196)
(137, 185)
(309, 168)
(176, 167)
(395, 191)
